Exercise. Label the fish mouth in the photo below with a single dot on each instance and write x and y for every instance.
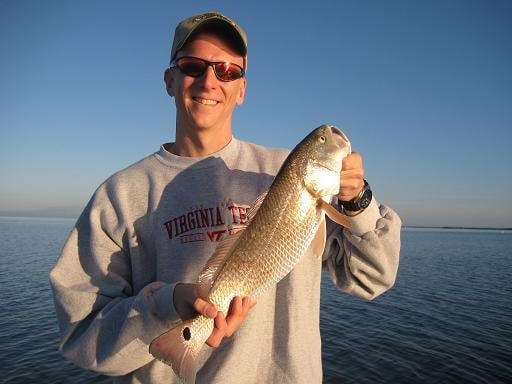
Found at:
(341, 140)
(340, 148)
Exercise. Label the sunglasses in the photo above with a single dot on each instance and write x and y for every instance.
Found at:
(196, 67)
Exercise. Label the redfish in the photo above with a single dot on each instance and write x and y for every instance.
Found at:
(283, 224)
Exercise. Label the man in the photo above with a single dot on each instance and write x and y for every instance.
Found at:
(127, 271)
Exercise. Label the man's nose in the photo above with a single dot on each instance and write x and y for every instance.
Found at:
(209, 78)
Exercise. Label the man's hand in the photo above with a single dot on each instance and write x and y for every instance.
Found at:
(352, 175)
(188, 305)
(226, 326)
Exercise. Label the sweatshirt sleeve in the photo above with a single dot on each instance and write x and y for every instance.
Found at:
(363, 260)
(105, 325)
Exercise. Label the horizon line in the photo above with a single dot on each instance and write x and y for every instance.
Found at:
(459, 227)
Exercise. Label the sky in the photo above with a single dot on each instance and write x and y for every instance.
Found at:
(423, 89)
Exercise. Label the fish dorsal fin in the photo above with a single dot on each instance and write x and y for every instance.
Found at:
(214, 264)
(255, 206)
(333, 214)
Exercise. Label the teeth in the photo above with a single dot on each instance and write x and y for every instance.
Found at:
(206, 101)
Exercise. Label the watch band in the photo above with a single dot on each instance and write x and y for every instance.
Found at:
(360, 202)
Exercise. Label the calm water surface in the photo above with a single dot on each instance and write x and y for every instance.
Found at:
(447, 320)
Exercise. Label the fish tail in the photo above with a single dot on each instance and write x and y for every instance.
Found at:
(184, 347)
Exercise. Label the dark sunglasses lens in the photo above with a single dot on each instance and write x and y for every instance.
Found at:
(191, 66)
(228, 71)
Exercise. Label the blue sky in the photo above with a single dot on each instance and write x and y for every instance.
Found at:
(422, 88)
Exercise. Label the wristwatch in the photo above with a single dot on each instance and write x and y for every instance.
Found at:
(359, 202)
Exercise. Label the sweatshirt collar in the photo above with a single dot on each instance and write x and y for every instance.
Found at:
(181, 162)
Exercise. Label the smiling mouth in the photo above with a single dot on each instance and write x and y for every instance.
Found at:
(205, 101)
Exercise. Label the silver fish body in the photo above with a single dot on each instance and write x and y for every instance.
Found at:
(282, 226)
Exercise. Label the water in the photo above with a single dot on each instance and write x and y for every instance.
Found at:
(28, 327)
(447, 320)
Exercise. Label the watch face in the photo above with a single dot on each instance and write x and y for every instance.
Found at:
(366, 199)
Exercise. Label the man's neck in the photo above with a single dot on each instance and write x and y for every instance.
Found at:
(199, 144)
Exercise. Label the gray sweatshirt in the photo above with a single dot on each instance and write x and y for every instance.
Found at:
(155, 224)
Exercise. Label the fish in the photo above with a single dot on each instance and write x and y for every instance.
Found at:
(282, 224)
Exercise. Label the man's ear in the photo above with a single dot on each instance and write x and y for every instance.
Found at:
(241, 91)
(168, 79)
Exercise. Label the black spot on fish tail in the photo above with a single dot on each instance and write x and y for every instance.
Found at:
(186, 333)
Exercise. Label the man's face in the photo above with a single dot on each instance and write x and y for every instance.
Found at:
(206, 102)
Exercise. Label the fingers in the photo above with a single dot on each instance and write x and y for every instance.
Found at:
(350, 186)
(219, 331)
(226, 326)
(188, 304)
(238, 311)
(352, 161)
(351, 177)
(205, 308)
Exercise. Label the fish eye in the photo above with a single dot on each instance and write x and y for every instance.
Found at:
(322, 139)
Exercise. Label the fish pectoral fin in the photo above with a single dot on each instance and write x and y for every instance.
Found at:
(333, 213)
(318, 244)
(214, 265)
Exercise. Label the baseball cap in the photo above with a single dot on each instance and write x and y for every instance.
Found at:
(210, 20)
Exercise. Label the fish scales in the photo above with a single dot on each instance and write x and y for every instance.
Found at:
(281, 248)
(279, 233)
